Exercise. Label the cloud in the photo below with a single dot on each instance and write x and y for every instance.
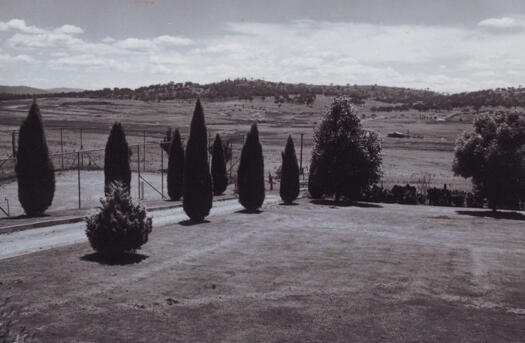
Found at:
(422, 56)
(69, 29)
(166, 40)
(17, 58)
(502, 23)
(19, 24)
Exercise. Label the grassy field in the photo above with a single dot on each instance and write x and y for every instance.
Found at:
(305, 273)
(429, 151)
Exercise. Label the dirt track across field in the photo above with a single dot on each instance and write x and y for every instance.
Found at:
(304, 273)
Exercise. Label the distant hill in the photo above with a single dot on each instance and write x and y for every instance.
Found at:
(25, 90)
(21, 90)
(388, 98)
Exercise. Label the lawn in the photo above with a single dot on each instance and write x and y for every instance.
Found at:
(304, 273)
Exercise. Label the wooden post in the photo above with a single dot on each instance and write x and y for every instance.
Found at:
(162, 172)
(138, 170)
(144, 157)
(78, 171)
(301, 158)
(231, 158)
(13, 143)
(61, 150)
(81, 146)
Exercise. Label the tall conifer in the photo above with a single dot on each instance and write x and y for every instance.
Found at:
(197, 188)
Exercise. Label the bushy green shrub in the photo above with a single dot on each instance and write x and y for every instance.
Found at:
(405, 194)
(34, 170)
(119, 226)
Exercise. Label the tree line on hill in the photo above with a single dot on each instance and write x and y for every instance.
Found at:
(345, 166)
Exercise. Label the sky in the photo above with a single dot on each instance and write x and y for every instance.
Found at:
(446, 45)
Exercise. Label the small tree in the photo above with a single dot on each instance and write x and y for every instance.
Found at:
(289, 189)
(218, 167)
(346, 160)
(493, 155)
(119, 226)
(175, 167)
(250, 176)
(116, 159)
(34, 169)
(197, 187)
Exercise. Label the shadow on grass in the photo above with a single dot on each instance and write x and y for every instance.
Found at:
(117, 260)
(495, 215)
(191, 222)
(288, 204)
(246, 211)
(344, 203)
(25, 216)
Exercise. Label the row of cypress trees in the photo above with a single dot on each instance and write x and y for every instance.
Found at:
(188, 172)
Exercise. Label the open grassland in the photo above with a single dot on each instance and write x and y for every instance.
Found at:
(304, 273)
(428, 151)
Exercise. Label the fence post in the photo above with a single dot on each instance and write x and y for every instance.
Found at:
(301, 158)
(81, 146)
(61, 150)
(138, 169)
(78, 171)
(144, 157)
(13, 143)
(162, 172)
(231, 158)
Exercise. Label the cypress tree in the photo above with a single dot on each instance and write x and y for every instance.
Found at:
(34, 169)
(250, 176)
(289, 189)
(116, 159)
(218, 167)
(197, 187)
(175, 167)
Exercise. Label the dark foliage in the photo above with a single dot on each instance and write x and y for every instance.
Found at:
(119, 226)
(250, 176)
(404, 194)
(218, 167)
(34, 169)
(165, 143)
(315, 188)
(116, 159)
(493, 155)
(175, 167)
(347, 158)
(197, 186)
(289, 189)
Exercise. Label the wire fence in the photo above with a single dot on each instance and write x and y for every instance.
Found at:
(80, 174)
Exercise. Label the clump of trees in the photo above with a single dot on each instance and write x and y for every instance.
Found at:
(218, 167)
(175, 167)
(289, 188)
(116, 159)
(250, 176)
(34, 169)
(493, 155)
(197, 185)
(346, 159)
(119, 226)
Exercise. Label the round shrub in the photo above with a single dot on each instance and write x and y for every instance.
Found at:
(119, 226)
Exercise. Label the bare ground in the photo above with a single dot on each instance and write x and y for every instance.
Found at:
(306, 273)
